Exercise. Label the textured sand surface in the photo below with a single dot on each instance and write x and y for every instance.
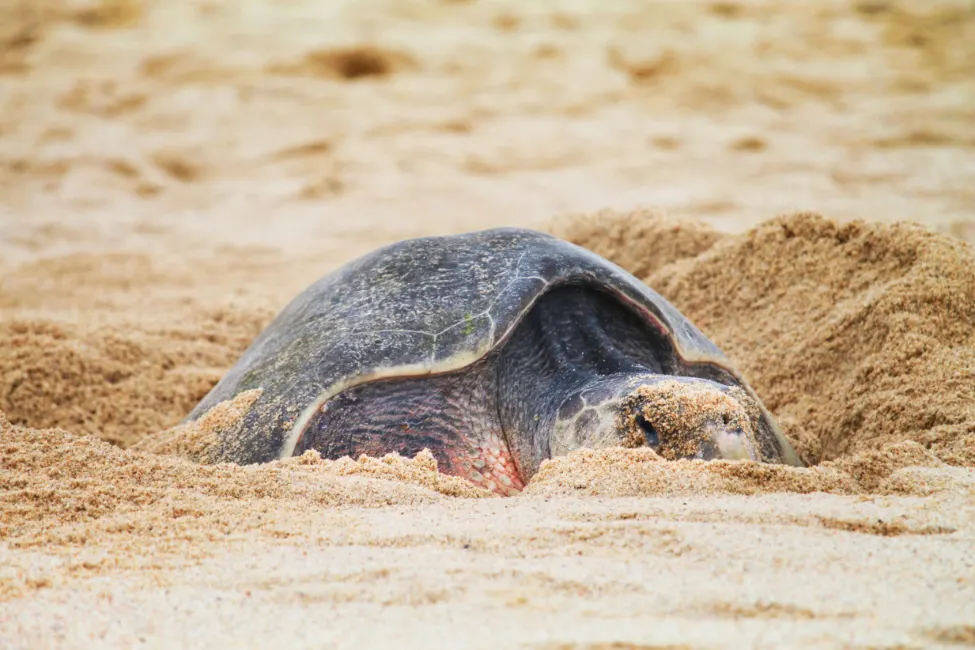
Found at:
(173, 173)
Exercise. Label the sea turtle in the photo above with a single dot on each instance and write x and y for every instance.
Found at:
(494, 350)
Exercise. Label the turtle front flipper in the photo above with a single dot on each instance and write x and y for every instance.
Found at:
(454, 415)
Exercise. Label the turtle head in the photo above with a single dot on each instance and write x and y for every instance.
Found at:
(678, 417)
(690, 418)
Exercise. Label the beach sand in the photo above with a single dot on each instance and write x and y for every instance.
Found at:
(796, 178)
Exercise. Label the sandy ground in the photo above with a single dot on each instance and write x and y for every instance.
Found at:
(172, 173)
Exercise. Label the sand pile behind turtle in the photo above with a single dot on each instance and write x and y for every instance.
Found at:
(118, 381)
(856, 336)
(641, 241)
(859, 337)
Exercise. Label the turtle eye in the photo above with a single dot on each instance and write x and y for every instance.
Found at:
(653, 440)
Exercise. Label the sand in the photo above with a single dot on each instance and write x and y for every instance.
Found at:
(797, 179)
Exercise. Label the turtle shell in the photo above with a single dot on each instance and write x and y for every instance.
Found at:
(418, 307)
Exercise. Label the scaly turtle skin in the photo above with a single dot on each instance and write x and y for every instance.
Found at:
(494, 350)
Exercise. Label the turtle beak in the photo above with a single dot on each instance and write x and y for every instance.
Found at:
(723, 443)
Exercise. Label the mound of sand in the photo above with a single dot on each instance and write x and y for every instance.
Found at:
(855, 335)
(641, 241)
(119, 382)
(899, 469)
(60, 488)
(859, 335)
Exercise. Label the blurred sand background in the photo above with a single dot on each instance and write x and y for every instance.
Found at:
(172, 173)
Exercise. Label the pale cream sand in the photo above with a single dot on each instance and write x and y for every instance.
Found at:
(173, 173)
